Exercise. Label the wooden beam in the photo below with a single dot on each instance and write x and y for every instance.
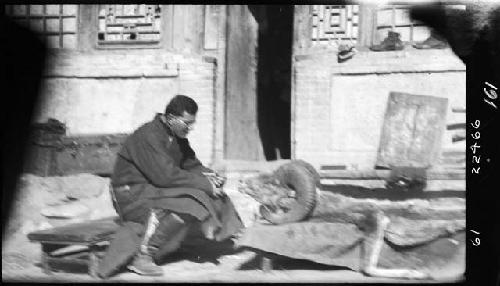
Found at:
(87, 27)
(211, 13)
(301, 28)
(367, 23)
(167, 27)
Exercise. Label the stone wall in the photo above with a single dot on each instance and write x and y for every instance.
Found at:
(339, 108)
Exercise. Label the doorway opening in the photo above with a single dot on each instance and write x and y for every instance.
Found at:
(274, 76)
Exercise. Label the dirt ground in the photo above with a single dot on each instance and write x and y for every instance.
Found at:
(197, 261)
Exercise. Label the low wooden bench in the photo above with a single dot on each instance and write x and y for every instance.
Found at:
(91, 234)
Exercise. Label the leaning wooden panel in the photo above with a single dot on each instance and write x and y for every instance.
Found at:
(412, 130)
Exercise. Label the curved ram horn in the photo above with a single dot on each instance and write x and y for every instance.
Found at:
(297, 176)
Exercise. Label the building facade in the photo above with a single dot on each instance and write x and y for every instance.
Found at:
(266, 78)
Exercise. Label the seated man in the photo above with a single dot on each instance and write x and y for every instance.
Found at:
(159, 183)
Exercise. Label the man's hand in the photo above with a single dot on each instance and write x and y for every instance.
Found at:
(216, 191)
(219, 192)
(217, 182)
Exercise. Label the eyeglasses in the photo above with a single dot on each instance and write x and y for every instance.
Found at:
(187, 124)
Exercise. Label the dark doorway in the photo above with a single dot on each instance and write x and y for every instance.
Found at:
(274, 75)
(258, 82)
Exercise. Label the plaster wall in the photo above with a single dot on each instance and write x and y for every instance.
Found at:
(339, 108)
(117, 92)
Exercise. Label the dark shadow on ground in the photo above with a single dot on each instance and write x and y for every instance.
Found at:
(200, 250)
(73, 268)
(388, 194)
(280, 262)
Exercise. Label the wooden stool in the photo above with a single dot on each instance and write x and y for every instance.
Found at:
(89, 234)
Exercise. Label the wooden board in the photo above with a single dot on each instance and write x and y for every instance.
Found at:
(85, 232)
(211, 27)
(412, 130)
(242, 139)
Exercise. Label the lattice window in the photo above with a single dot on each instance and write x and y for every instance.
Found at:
(129, 24)
(334, 23)
(56, 24)
(396, 18)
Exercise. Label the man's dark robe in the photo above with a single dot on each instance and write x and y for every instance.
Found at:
(162, 172)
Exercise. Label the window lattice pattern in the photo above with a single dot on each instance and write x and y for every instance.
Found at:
(56, 24)
(125, 24)
(334, 23)
(397, 18)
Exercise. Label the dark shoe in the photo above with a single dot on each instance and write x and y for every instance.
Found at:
(391, 43)
(143, 265)
(345, 53)
(433, 42)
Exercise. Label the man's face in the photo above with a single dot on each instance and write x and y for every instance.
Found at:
(181, 125)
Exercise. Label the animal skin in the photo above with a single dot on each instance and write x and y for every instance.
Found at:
(287, 195)
(281, 192)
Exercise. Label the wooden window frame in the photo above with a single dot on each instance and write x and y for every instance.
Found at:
(412, 24)
(89, 29)
(44, 16)
(337, 36)
(367, 27)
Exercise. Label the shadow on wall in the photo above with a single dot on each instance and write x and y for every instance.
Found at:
(24, 58)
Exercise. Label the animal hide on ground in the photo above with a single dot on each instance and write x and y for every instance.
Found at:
(421, 232)
(413, 221)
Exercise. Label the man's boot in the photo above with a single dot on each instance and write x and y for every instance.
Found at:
(172, 230)
(391, 43)
(143, 263)
(435, 41)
